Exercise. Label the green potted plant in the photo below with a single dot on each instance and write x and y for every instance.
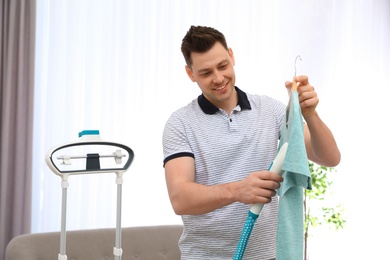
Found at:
(317, 212)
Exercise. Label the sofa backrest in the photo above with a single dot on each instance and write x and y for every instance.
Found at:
(141, 243)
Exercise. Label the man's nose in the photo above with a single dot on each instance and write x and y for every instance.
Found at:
(218, 77)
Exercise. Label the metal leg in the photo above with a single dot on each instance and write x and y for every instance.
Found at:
(118, 235)
(64, 185)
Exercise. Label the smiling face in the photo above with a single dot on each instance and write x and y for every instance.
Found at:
(214, 73)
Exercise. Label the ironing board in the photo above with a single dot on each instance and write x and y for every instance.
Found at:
(88, 156)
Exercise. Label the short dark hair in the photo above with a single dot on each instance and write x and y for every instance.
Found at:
(200, 39)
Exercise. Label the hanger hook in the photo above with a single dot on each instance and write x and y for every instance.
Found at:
(295, 64)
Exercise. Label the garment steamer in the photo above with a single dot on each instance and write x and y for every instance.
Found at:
(255, 210)
(89, 158)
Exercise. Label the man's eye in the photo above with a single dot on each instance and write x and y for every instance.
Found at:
(205, 74)
(223, 67)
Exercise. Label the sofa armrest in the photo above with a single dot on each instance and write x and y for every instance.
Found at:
(146, 242)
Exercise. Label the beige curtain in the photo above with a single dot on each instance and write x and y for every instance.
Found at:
(17, 44)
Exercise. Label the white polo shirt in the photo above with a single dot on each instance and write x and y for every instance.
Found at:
(226, 149)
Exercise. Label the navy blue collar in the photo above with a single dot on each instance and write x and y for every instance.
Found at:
(210, 109)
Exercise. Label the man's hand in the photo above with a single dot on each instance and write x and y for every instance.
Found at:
(258, 187)
(307, 95)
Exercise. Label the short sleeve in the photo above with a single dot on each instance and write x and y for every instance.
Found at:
(175, 141)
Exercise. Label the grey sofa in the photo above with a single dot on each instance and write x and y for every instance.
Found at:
(141, 243)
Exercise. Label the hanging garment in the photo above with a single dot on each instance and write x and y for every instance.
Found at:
(289, 245)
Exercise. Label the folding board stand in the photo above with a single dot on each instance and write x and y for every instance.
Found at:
(64, 166)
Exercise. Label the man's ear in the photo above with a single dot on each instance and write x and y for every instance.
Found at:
(190, 74)
(231, 56)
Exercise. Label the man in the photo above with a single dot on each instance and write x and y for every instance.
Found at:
(217, 150)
